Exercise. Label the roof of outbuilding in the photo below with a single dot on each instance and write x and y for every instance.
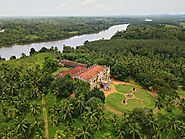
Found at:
(71, 63)
(72, 72)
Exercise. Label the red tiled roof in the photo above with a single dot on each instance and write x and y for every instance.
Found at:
(72, 72)
(71, 63)
(91, 72)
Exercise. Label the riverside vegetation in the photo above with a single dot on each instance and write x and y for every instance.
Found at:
(30, 30)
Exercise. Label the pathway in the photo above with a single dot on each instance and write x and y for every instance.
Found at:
(154, 94)
(117, 82)
(45, 115)
(155, 110)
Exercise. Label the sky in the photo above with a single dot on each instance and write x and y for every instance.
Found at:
(90, 7)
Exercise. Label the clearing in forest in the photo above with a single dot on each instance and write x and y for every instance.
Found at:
(124, 97)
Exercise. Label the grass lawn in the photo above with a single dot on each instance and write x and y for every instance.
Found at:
(124, 88)
(59, 70)
(114, 100)
(32, 61)
(50, 100)
(148, 100)
(145, 100)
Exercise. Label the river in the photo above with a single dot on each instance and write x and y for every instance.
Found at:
(17, 50)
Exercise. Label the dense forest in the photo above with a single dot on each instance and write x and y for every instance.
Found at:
(154, 31)
(151, 54)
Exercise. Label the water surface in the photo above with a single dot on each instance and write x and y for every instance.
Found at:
(17, 50)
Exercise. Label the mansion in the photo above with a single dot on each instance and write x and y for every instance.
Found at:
(97, 76)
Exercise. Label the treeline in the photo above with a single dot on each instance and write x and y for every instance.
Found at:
(153, 31)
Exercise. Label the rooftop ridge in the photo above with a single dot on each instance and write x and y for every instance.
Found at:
(89, 70)
(80, 72)
(71, 72)
(102, 70)
(86, 69)
(72, 62)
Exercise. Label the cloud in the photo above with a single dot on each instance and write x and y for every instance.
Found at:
(87, 2)
(60, 6)
(83, 7)
(79, 4)
(89, 7)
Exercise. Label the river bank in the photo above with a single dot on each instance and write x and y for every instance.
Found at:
(17, 50)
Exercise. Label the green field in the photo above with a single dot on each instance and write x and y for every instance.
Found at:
(124, 88)
(31, 61)
(59, 70)
(145, 100)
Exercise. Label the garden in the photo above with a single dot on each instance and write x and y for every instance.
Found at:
(140, 98)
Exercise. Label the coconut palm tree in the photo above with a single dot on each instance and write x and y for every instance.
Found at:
(8, 134)
(134, 130)
(35, 110)
(80, 103)
(107, 136)
(55, 113)
(59, 135)
(83, 133)
(23, 128)
(154, 128)
(173, 125)
(38, 126)
(158, 104)
(67, 109)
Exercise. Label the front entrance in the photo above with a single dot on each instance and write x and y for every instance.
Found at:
(105, 86)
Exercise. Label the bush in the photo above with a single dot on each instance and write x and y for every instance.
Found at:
(63, 87)
(98, 94)
(119, 71)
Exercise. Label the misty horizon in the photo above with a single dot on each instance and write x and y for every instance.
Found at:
(91, 7)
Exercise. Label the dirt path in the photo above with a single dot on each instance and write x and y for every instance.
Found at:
(45, 115)
(116, 82)
(154, 94)
(155, 110)
(113, 90)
